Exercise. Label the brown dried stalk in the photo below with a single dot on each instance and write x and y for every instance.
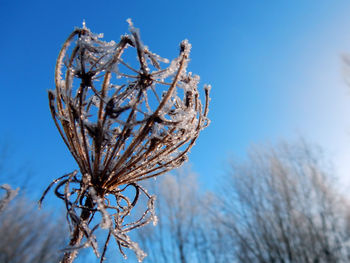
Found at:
(123, 122)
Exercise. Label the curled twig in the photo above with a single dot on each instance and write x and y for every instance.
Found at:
(10, 194)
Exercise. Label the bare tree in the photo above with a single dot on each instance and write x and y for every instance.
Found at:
(184, 231)
(29, 235)
(281, 205)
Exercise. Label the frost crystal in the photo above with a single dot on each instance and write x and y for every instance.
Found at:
(123, 121)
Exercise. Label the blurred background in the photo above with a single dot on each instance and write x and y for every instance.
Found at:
(280, 105)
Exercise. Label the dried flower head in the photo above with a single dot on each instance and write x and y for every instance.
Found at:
(123, 121)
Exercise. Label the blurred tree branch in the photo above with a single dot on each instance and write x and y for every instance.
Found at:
(281, 205)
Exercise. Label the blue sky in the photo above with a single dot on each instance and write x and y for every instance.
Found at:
(275, 68)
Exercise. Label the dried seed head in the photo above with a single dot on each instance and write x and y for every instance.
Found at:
(123, 121)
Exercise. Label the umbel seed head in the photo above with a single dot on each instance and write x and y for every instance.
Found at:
(124, 121)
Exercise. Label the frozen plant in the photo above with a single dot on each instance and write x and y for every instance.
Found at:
(9, 195)
(123, 120)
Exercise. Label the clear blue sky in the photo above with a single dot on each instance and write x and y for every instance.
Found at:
(275, 68)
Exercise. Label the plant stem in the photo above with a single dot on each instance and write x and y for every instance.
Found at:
(78, 234)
